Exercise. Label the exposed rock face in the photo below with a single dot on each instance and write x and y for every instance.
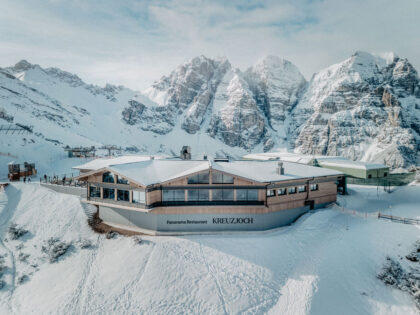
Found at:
(366, 107)
(363, 108)
(187, 91)
(277, 85)
(239, 108)
(236, 118)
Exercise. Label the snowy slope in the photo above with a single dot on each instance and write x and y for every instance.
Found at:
(326, 263)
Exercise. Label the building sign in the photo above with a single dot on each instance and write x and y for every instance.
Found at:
(187, 222)
(233, 220)
(225, 220)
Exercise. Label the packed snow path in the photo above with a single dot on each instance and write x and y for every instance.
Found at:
(326, 263)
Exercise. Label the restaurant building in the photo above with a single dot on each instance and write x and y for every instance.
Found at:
(176, 196)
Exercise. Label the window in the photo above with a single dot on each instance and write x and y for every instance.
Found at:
(271, 193)
(314, 187)
(221, 178)
(385, 174)
(121, 180)
(174, 195)
(302, 188)
(95, 192)
(123, 195)
(292, 190)
(108, 177)
(222, 194)
(198, 194)
(370, 176)
(246, 194)
(139, 196)
(109, 193)
(252, 194)
(281, 191)
(201, 178)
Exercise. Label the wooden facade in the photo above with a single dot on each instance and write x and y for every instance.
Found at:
(316, 191)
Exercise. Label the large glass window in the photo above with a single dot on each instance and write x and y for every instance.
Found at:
(121, 180)
(292, 190)
(95, 191)
(221, 178)
(201, 178)
(246, 194)
(108, 177)
(139, 196)
(198, 194)
(252, 194)
(173, 195)
(222, 194)
(109, 193)
(123, 195)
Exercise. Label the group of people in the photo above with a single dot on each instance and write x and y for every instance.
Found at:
(55, 179)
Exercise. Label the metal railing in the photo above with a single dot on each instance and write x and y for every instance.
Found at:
(62, 179)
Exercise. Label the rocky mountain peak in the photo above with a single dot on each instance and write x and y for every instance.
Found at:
(361, 108)
(23, 65)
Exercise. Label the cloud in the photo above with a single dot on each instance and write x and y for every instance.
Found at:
(136, 42)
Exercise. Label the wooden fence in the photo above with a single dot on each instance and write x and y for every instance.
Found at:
(398, 219)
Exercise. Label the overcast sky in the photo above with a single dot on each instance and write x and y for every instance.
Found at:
(136, 42)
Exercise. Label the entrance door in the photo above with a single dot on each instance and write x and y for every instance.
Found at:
(311, 204)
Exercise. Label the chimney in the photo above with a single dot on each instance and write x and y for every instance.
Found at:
(205, 157)
(185, 153)
(280, 168)
(152, 157)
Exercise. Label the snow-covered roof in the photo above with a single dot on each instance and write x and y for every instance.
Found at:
(333, 161)
(99, 163)
(150, 172)
(158, 171)
(265, 171)
(350, 164)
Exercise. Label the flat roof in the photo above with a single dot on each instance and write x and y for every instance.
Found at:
(150, 172)
(266, 171)
(351, 164)
(323, 160)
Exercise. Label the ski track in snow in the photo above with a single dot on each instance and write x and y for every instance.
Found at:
(7, 213)
(212, 273)
(80, 294)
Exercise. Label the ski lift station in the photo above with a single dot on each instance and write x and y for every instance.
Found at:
(351, 168)
(158, 195)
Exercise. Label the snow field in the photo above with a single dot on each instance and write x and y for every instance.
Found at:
(325, 263)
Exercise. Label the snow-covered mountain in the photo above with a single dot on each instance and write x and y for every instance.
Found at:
(367, 107)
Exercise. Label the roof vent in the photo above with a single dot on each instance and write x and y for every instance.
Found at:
(152, 157)
(185, 153)
(221, 159)
(280, 168)
(205, 157)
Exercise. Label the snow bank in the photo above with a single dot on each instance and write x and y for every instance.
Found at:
(326, 263)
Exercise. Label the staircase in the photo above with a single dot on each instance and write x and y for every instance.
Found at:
(90, 211)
